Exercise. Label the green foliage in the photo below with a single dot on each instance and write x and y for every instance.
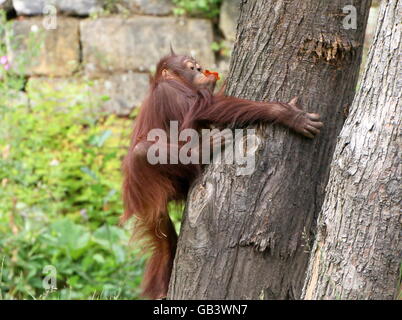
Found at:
(8, 83)
(12, 72)
(60, 181)
(200, 8)
(60, 200)
(221, 47)
(110, 7)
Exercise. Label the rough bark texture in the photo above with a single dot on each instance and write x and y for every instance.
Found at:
(245, 237)
(357, 254)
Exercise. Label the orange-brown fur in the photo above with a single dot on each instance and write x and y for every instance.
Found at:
(174, 94)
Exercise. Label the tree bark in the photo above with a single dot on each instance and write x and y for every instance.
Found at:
(245, 237)
(358, 250)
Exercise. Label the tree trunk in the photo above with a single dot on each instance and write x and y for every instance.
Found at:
(245, 237)
(357, 253)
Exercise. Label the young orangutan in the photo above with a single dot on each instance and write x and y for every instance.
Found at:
(181, 90)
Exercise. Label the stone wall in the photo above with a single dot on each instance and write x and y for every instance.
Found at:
(116, 48)
(115, 43)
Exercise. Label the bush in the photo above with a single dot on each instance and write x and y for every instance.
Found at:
(200, 8)
(60, 199)
(60, 181)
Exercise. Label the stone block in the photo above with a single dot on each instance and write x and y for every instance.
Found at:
(136, 44)
(230, 11)
(149, 7)
(117, 94)
(75, 7)
(38, 51)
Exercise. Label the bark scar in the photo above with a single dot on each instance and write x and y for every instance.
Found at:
(330, 49)
(199, 198)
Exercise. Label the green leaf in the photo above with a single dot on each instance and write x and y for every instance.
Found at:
(98, 258)
(109, 235)
(71, 236)
(89, 172)
(100, 140)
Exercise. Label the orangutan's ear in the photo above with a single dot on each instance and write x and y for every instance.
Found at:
(167, 74)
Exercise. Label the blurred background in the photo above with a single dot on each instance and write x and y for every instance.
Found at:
(72, 76)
